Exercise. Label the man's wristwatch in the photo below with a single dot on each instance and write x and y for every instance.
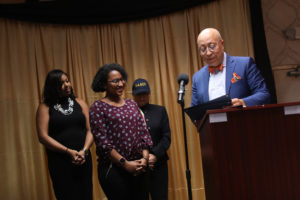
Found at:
(122, 161)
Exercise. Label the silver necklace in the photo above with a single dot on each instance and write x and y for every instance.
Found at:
(68, 111)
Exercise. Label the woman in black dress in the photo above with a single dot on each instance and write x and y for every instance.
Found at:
(63, 128)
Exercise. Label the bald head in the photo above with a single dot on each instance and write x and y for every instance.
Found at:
(211, 46)
(209, 32)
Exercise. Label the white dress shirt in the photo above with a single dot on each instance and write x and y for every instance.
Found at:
(216, 85)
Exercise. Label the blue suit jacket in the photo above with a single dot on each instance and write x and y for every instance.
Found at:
(249, 86)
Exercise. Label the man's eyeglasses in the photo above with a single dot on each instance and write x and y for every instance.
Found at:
(116, 81)
(211, 47)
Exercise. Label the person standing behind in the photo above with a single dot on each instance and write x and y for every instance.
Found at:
(121, 137)
(225, 74)
(157, 121)
(63, 128)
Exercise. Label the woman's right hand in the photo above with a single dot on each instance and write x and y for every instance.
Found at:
(77, 159)
(134, 167)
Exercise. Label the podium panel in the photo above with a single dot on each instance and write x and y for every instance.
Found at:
(252, 153)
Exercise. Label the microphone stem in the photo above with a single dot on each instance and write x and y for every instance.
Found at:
(188, 173)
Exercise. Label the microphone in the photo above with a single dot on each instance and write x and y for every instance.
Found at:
(182, 79)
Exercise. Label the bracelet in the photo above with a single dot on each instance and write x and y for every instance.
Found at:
(67, 149)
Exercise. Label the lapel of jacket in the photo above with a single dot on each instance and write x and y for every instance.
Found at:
(230, 65)
(206, 81)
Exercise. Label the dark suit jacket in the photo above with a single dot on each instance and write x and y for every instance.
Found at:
(248, 83)
(158, 125)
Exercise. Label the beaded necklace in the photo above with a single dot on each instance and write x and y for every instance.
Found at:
(68, 111)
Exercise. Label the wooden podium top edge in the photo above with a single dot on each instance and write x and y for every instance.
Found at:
(232, 109)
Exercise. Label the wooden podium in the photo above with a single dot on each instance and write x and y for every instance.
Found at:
(251, 153)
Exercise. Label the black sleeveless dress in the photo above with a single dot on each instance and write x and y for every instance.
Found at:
(69, 181)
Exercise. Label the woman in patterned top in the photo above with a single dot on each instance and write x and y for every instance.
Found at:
(121, 137)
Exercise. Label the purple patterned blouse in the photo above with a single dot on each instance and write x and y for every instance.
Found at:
(120, 128)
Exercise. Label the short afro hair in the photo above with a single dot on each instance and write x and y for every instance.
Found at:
(100, 79)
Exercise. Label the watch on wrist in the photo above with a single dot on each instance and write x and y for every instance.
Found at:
(122, 161)
(86, 152)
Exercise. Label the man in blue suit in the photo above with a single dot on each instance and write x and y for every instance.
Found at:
(225, 74)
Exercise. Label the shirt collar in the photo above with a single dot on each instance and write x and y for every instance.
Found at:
(224, 59)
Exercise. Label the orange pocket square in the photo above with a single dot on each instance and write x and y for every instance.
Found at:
(235, 78)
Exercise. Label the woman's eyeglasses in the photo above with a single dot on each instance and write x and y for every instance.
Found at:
(117, 81)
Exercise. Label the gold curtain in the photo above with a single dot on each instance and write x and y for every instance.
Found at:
(157, 49)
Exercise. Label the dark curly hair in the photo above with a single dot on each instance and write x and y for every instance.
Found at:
(52, 87)
(100, 79)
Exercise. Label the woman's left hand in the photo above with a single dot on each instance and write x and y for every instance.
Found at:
(143, 163)
(152, 161)
(81, 156)
(77, 157)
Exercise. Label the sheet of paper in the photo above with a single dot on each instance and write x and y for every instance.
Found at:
(218, 117)
(292, 110)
